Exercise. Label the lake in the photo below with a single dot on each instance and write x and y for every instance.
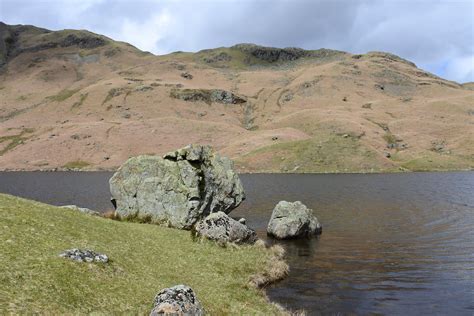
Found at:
(391, 243)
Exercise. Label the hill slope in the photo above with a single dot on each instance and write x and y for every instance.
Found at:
(74, 99)
(143, 260)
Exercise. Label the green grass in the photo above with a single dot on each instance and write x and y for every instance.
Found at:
(81, 100)
(390, 138)
(14, 140)
(115, 92)
(438, 162)
(144, 259)
(76, 164)
(324, 153)
(62, 95)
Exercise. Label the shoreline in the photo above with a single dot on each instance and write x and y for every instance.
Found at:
(267, 264)
(256, 172)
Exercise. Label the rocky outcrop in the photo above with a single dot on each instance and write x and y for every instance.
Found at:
(84, 255)
(207, 96)
(273, 54)
(277, 55)
(177, 300)
(224, 229)
(81, 210)
(179, 189)
(216, 58)
(292, 220)
(17, 39)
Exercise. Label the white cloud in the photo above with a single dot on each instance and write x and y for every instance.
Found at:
(145, 34)
(461, 69)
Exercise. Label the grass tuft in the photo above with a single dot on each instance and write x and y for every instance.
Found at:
(62, 95)
(14, 140)
(76, 164)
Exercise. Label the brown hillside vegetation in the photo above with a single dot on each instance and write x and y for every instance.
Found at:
(77, 100)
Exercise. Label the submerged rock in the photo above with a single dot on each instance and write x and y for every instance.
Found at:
(179, 189)
(177, 300)
(84, 255)
(291, 220)
(222, 228)
(81, 209)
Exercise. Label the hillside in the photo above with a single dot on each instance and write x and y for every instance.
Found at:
(75, 99)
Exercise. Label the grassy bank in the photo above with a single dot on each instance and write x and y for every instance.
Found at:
(144, 259)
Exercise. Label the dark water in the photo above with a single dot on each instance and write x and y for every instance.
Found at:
(391, 244)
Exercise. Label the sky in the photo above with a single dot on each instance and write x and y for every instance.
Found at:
(438, 35)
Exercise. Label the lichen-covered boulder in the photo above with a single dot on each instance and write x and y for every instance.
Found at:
(292, 220)
(222, 228)
(178, 189)
(177, 300)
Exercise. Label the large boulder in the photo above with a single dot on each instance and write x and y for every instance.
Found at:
(292, 220)
(222, 228)
(177, 300)
(178, 189)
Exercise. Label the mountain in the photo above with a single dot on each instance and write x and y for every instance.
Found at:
(75, 99)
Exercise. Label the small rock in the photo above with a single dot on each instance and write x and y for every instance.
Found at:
(177, 300)
(81, 209)
(275, 138)
(187, 75)
(291, 220)
(387, 154)
(84, 255)
(143, 88)
(242, 220)
(223, 229)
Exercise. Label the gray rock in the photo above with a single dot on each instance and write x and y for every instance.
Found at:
(207, 95)
(177, 300)
(84, 255)
(291, 220)
(223, 229)
(179, 189)
(186, 75)
(81, 209)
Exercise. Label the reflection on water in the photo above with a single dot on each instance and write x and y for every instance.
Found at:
(391, 244)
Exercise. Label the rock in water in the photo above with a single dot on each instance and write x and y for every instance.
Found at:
(177, 300)
(178, 189)
(223, 229)
(291, 220)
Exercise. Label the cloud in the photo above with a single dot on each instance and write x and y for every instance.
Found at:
(146, 34)
(437, 35)
(460, 69)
